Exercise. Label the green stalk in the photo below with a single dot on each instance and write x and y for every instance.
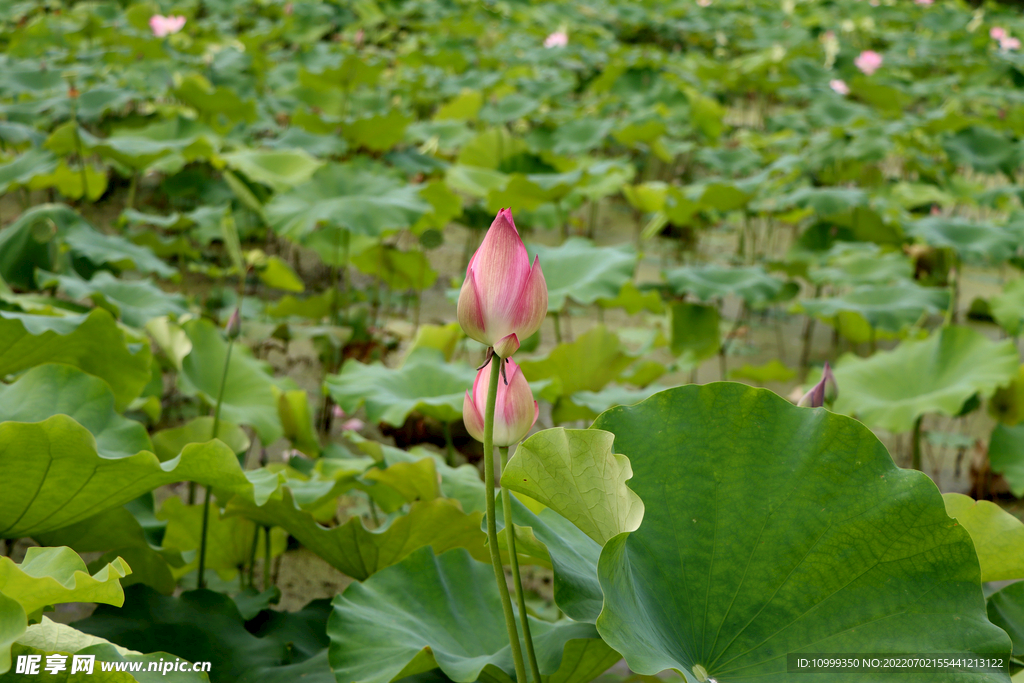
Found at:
(492, 527)
(517, 583)
(200, 582)
(252, 554)
(266, 558)
(916, 444)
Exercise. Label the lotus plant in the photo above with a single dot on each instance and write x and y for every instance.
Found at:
(824, 392)
(164, 26)
(503, 299)
(868, 62)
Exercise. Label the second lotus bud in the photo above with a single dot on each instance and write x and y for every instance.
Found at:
(515, 411)
(822, 393)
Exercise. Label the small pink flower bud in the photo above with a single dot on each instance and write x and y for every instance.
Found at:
(839, 86)
(825, 391)
(234, 326)
(515, 411)
(868, 61)
(504, 299)
(997, 33)
(557, 39)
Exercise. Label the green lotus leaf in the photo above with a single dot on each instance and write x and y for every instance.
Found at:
(889, 308)
(696, 333)
(92, 342)
(982, 149)
(89, 181)
(201, 625)
(971, 241)
(772, 371)
(579, 271)
(424, 383)
(1007, 307)
(998, 536)
(861, 264)
(135, 302)
(633, 300)
(20, 171)
(825, 201)
(1006, 610)
(63, 480)
(491, 149)
(359, 552)
(463, 107)
(530, 191)
(739, 562)
(364, 202)
(167, 443)
(613, 395)
(891, 389)
(509, 108)
(281, 170)
(414, 617)
(580, 135)
(140, 148)
(278, 274)
(395, 268)
(229, 540)
(105, 652)
(576, 473)
(411, 481)
(587, 364)
(1006, 455)
(475, 180)
(379, 132)
(249, 396)
(710, 282)
(50, 636)
(48, 576)
(57, 389)
(316, 145)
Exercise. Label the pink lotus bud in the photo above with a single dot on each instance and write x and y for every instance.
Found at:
(1009, 43)
(997, 33)
(234, 326)
(924, 2)
(515, 411)
(839, 86)
(557, 39)
(353, 425)
(825, 391)
(868, 61)
(165, 26)
(503, 299)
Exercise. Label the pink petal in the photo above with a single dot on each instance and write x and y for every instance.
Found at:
(515, 410)
(472, 418)
(502, 267)
(532, 305)
(506, 346)
(470, 311)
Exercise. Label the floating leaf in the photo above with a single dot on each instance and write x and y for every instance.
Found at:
(280, 169)
(582, 272)
(889, 308)
(135, 302)
(770, 563)
(935, 375)
(710, 282)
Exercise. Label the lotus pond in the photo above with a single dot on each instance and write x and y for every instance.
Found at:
(520, 341)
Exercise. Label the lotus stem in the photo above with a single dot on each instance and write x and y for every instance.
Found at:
(200, 579)
(517, 582)
(492, 527)
(252, 554)
(915, 444)
(266, 558)
(449, 445)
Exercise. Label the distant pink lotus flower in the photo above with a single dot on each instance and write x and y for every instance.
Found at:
(704, 3)
(1010, 43)
(557, 39)
(923, 2)
(839, 86)
(165, 26)
(997, 33)
(868, 62)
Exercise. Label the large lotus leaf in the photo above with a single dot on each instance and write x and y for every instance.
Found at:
(20, 171)
(73, 182)
(424, 383)
(396, 268)
(56, 389)
(752, 547)
(888, 307)
(201, 625)
(587, 364)
(229, 540)
(982, 149)
(971, 241)
(106, 665)
(998, 536)
(1006, 610)
(862, 264)
(249, 396)
(582, 272)
(696, 331)
(415, 616)
(359, 552)
(92, 342)
(1008, 307)
(711, 282)
(135, 302)
(1006, 455)
(613, 395)
(891, 389)
(530, 191)
(48, 576)
(362, 201)
(63, 480)
(825, 201)
(576, 473)
(139, 148)
(280, 169)
(167, 443)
